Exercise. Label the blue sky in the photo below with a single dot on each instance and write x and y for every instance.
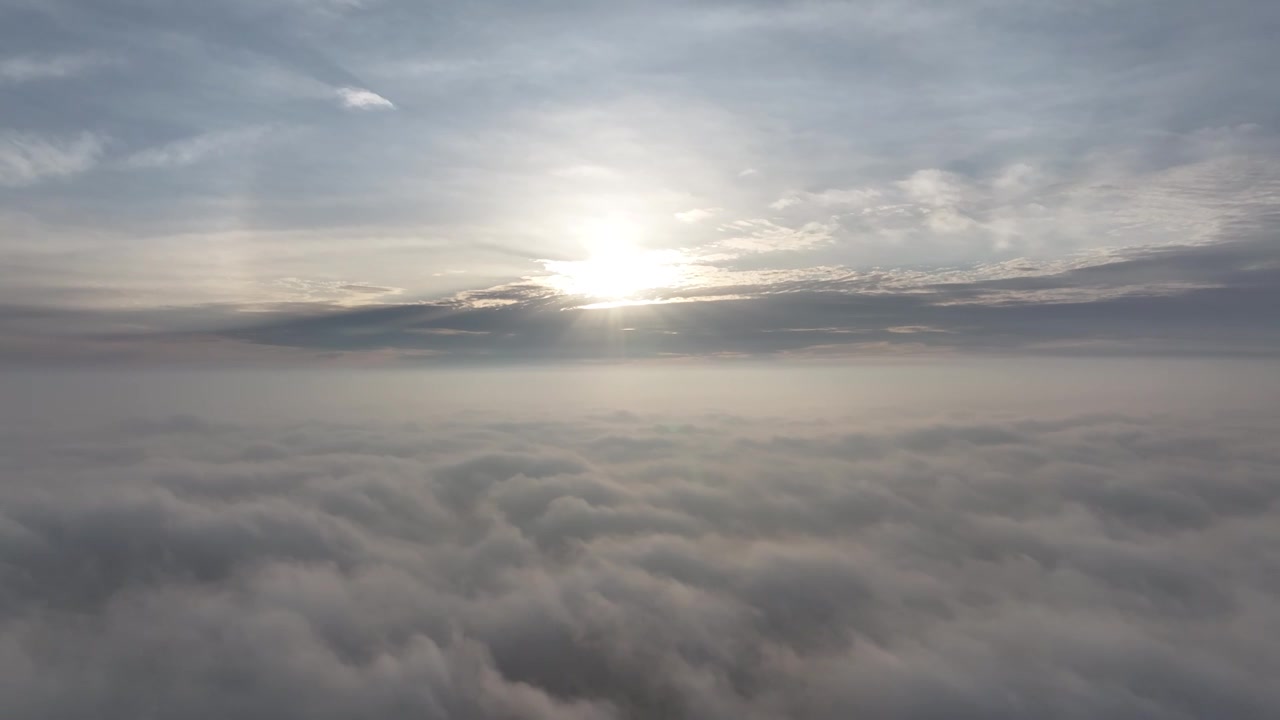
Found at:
(297, 180)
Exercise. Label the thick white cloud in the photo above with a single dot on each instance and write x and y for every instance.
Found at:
(619, 565)
(361, 99)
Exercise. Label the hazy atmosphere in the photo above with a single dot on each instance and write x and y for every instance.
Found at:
(626, 360)
(393, 182)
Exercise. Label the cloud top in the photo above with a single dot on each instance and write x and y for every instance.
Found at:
(621, 566)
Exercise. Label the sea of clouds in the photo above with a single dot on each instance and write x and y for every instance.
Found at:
(623, 565)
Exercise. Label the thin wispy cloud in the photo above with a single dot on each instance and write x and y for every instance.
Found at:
(187, 151)
(28, 68)
(28, 158)
(697, 214)
(761, 235)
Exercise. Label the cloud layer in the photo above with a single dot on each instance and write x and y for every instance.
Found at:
(627, 566)
(1207, 300)
(1212, 299)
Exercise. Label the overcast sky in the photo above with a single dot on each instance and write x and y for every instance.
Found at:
(301, 181)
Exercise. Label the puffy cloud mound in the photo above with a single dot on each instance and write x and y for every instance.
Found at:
(625, 567)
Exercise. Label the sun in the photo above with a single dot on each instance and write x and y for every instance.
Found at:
(618, 271)
(616, 267)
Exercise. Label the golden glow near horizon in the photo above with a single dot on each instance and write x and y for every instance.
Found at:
(617, 267)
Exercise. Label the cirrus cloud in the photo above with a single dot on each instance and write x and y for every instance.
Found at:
(28, 159)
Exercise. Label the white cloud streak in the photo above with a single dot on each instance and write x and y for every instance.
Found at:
(191, 150)
(696, 215)
(28, 68)
(27, 159)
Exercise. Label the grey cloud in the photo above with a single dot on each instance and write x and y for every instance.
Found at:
(1182, 300)
(1100, 566)
(1210, 299)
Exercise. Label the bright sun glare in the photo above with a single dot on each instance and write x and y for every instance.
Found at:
(616, 266)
